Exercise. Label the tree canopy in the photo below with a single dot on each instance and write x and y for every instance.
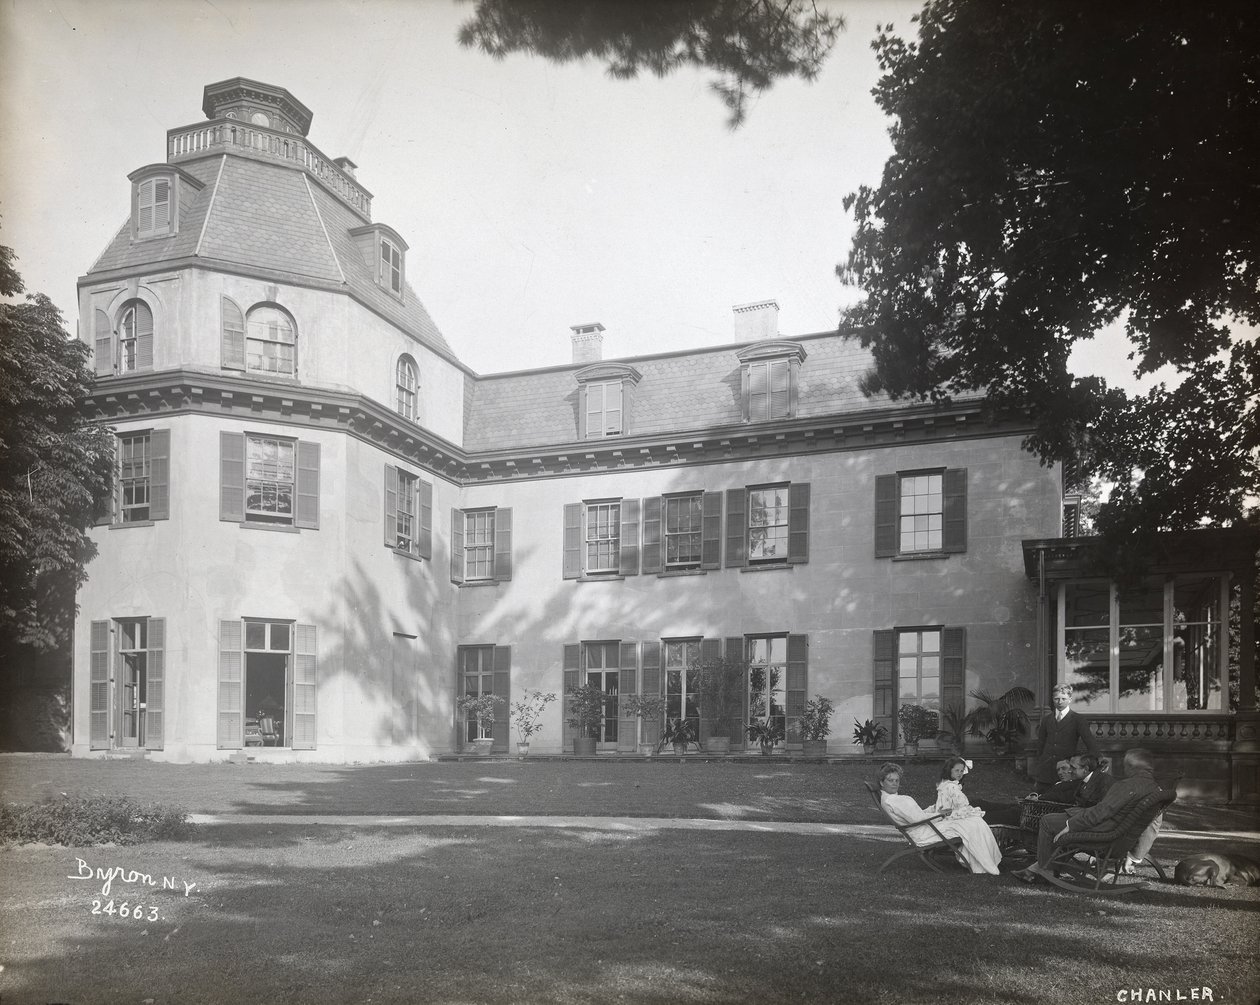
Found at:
(54, 466)
(750, 43)
(1058, 168)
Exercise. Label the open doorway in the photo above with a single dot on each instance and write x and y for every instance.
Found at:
(132, 677)
(268, 680)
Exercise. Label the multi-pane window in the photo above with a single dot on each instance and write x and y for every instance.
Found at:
(391, 265)
(270, 341)
(476, 671)
(767, 672)
(127, 341)
(603, 409)
(153, 207)
(683, 516)
(919, 668)
(134, 473)
(602, 671)
(681, 699)
(603, 537)
(406, 515)
(768, 524)
(921, 513)
(769, 389)
(407, 380)
(269, 470)
(479, 544)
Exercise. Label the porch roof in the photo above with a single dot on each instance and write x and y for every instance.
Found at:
(1208, 549)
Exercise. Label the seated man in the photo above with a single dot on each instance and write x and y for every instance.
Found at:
(1091, 780)
(1062, 791)
(1138, 781)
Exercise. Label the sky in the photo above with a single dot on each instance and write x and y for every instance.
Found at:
(532, 196)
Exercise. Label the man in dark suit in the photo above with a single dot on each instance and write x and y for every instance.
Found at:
(1058, 736)
(1093, 782)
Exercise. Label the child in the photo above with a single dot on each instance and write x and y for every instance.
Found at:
(949, 794)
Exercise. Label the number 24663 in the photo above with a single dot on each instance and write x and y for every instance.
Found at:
(126, 910)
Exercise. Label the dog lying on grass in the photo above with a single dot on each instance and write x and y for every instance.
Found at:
(1211, 869)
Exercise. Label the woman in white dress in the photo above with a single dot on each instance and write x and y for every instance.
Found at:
(979, 848)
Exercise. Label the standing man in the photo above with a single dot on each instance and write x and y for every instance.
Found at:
(1057, 737)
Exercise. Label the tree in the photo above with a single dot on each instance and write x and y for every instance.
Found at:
(1057, 168)
(750, 43)
(54, 465)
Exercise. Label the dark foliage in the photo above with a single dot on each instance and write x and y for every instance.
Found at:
(79, 821)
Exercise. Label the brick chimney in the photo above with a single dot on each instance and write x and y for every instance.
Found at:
(756, 321)
(588, 342)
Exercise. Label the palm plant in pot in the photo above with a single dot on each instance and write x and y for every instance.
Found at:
(915, 722)
(869, 734)
(526, 714)
(765, 733)
(680, 733)
(647, 708)
(585, 712)
(1002, 721)
(720, 684)
(816, 726)
(953, 724)
(480, 709)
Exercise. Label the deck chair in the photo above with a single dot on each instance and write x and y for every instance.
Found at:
(926, 852)
(1107, 847)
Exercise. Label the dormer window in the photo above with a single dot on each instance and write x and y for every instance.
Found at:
(769, 380)
(153, 207)
(391, 276)
(385, 254)
(605, 399)
(155, 196)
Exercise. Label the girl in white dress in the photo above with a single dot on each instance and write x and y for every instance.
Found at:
(950, 797)
(979, 848)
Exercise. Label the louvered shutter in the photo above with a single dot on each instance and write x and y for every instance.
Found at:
(653, 557)
(954, 534)
(886, 511)
(503, 543)
(307, 514)
(953, 666)
(160, 474)
(155, 685)
(711, 531)
(734, 648)
(425, 540)
(231, 727)
(780, 389)
(391, 506)
(628, 564)
(161, 206)
(797, 683)
(627, 682)
(650, 683)
(144, 336)
(798, 522)
(572, 542)
(104, 343)
(233, 342)
(98, 686)
(232, 476)
(107, 506)
(457, 546)
(305, 687)
(503, 688)
(572, 673)
(753, 391)
(144, 208)
(884, 684)
(581, 412)
(736, 529)
(710, 652)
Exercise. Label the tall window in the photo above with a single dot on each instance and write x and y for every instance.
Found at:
(127, 344)
(602, 671)
(603, 537)
(476, 669)
(153, 207)
(133, 477)
(767, 672)
(406, 516)
(919, 668)
(922, 513)
(603, 409)
(683, 525)
(391, 266)
(269, 471)
(681, 700)
(479, 544)
(768, 524)
(270, 342)
(407, 380)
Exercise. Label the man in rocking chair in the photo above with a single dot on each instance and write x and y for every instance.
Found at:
(1138, 781)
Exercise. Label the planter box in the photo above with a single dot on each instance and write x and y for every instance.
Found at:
(584, 746)
(718, 745)
(481, 747)
(813, 748)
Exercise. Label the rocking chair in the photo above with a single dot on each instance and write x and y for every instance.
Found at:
(923, 851)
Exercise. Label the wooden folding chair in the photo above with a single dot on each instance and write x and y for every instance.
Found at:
(923, 851)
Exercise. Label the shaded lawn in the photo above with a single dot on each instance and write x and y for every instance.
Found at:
(302, 914)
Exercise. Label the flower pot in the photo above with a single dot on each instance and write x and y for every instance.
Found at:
(522, 749)
(813, 748)
(584, 746)
(718, 745)
(912, 748)
(868, 748)
(647, 749)
(767, 748)
(481, 746)
(680, 749)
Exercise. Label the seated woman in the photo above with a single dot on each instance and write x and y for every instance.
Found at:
(979, 848)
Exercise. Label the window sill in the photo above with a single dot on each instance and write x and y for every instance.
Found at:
(765, 567)
(272, 527)
(674, 573)
(923, 556)
(406, 554)
(131, 523)
(477, 582)
(602, 577)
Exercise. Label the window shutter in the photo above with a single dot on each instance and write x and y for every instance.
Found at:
(233, 342)
(155, 685)
(104, 340)
(629, 560)
(653, 557)
(794, 383)
(160, 474)
(572, 677)
(736, 530)
(650, 683)
(425, 541)
(954, 486)
(231, 685)
(144, 209)
(232, 476)
(144, 336)
(798, 522)
(582, 419)
(628, 664)
(884, 684)
(161, 206)
(307, 514)
(391, 506)
(797, 683)
(710, 652)
(780, 389)
(503, 543)
(886, 516)
(503, 688)
(305, 686)
(98, 685)
(107, 505)
(711, 531)
(735, 651)
(572, 541)
(457, 546)
(627, 405)
(953, 666)
(749, 396)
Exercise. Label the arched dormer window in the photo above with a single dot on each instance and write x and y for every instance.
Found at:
(155, 199)
(126, 344)
(406, 387)
(605, 399)
(769, 379)
(270, 341)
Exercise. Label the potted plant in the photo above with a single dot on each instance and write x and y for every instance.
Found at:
(680, 733)
(647, 708)
(767, 734)
(953, 722)
(869, 734)
(916, 722)
(526, 714)
(720, 685)
(816, 726)
(585, 713)
(480, 707)
(1003, 720)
